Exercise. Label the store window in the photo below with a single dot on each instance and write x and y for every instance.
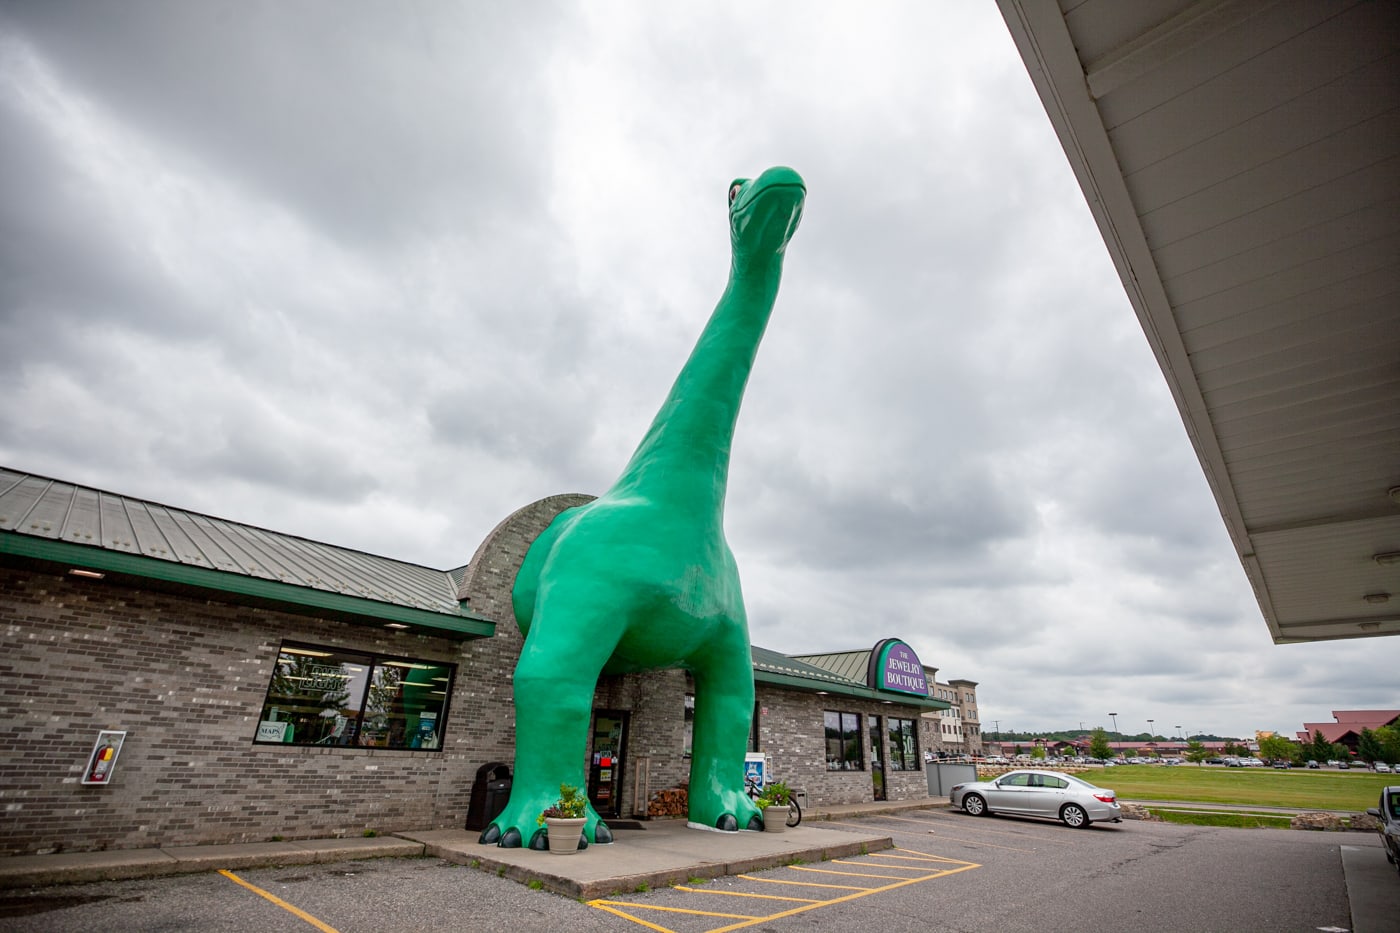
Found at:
(904, 750)
(327, 696)
(843, 742)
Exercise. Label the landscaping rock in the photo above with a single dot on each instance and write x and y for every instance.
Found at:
(1364, 821)
(1328, 822)
(1132, 811)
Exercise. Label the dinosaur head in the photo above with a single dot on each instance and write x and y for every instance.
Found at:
(763, 214)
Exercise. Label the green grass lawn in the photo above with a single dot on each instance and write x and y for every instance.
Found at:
(1262, 787)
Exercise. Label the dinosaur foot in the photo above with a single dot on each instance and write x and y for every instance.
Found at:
(728, 824)
(492, 836)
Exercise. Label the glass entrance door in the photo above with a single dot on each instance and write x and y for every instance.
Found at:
(877, 755)
(605, 762)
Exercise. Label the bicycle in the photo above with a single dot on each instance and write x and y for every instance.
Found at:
(794, 810)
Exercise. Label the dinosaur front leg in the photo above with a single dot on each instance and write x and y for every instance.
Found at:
(554, 684)
(723, 713)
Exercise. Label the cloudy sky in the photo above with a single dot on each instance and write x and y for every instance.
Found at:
(379, 274)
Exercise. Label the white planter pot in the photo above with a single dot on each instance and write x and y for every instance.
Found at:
(564, 834)
(775, 819)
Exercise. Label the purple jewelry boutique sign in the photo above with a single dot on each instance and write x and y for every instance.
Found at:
(898, 668)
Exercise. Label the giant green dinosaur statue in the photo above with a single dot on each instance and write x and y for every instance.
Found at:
(642, 578)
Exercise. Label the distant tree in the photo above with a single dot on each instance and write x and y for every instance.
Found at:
(1321, 749)
(1038, 753)
(1231, 748)
(1389, 737)
(1368, 749)
(1277, 748)
(1196, 752)
(1098, 745)
(1340, 752)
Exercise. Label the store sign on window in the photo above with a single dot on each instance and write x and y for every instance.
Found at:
(894, 666)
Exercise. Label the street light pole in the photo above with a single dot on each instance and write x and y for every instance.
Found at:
(1150, 734)
(1115, 721)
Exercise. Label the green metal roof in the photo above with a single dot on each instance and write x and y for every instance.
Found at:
(770, 667)
(50, 520)
(852, 665)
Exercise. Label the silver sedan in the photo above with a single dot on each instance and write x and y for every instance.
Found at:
(1039, 793)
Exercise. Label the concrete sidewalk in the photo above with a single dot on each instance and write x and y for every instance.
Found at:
(661, 853)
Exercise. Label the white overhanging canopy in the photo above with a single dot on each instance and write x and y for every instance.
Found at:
(1242, 161)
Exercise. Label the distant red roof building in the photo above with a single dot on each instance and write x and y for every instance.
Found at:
(1348, 725)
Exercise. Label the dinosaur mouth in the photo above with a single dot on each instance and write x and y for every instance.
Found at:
(771, 215)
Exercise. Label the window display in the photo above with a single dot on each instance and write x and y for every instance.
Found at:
(328, 696)
(843, 745)
(904, 751)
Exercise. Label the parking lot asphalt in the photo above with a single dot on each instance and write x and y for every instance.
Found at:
(906, 866)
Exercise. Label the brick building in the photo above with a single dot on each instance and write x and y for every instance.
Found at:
(957, 730)
(253, 685)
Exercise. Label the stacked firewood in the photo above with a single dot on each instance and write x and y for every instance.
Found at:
(671, 802)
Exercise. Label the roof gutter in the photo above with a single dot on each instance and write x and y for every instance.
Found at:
(852, 690)
(296, 598)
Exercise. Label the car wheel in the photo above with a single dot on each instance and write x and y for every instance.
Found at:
(1074, 816)
(975, 805)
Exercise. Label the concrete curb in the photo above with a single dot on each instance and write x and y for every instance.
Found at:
(570, 875)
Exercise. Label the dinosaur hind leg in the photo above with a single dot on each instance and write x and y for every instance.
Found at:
(723, 715)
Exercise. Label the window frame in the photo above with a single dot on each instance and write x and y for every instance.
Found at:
(902, 756)
(366, 676)
(846, 739)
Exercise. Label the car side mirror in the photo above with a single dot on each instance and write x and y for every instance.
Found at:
(1374, 812)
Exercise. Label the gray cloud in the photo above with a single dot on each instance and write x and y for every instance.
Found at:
(380, 275)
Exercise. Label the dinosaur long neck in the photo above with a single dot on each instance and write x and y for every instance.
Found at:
(685, 453)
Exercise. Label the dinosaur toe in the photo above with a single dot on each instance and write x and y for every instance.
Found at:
(601, 834)
(511, 840)
(490, 835)
(539, 842)
(755, 824)
(727, 824)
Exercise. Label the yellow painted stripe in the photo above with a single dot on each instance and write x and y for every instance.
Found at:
(848, 874)
(678, 910)
(805, 884)
(626, 916)
(842, 861)
(295, 911)
(914, 856)
(836, 900)
(766, 897)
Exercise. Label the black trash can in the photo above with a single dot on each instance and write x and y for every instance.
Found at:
(490, 792)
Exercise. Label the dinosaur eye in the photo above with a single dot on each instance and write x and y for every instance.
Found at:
(734, 192)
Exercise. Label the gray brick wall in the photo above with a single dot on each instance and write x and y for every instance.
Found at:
(792, 732)
(186, 677)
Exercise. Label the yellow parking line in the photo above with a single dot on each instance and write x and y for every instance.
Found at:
(766, 897)
(323, 927)
(804, 884)
(747, 920)
(677, 910)
(922, 857)
(849, 874)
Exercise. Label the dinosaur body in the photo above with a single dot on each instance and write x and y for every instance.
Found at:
(641, 578)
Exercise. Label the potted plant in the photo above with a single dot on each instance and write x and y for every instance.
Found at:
(564, 820)
(773, 801)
